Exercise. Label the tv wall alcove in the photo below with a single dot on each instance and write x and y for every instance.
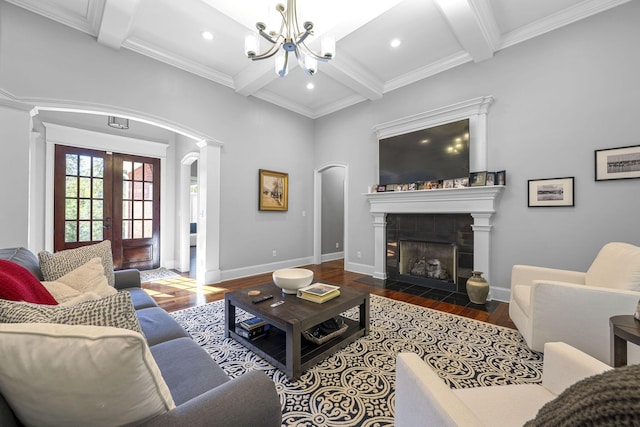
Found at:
(478, 202)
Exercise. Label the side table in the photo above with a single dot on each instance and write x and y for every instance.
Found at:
(624, 328)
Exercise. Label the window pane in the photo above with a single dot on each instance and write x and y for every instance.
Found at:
(98, 188)
(85, 187)
(137, 190)
(148, 210)
(70, 229)
(71, 164)
(85, 209)
(127, 170)
(85, 165)
(97, 230)
(148, 191)
(71, 209)
(137, 210)
(84, 234)
(98, 167)
(71, 187)
(148, 229)
(137, 171)
(98, 210)
(137, 229)
(126, 189)
(148, 172)
(126, 210)
(126, 229)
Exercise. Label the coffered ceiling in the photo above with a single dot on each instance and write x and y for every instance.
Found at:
(435, 35)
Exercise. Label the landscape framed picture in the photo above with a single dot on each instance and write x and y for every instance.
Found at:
(273, 191)
(618, 163)
(551, 192)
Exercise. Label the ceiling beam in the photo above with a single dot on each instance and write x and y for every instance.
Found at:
(117, 20)
(473, 25)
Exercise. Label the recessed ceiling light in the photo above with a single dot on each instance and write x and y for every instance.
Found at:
(395, 43)
(310, 86)
(207, 35)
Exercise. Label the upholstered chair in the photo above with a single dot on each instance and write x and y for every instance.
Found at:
(574, 307)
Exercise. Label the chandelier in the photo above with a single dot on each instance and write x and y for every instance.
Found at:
(292, 40)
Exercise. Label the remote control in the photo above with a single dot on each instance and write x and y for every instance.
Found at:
(264, 298)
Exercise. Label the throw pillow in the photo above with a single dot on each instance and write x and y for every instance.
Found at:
(18, 284)
(56, 265)
(63, 375)
(116, 311)
(607, 399)
(88, 277)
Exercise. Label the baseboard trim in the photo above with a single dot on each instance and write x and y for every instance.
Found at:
(332, 257)
(238, 273)
(360, 268)
(500, 294)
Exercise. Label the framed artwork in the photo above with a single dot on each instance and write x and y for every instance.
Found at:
(501, 178)
(618, 163)
(478, 179)
(551, 192)
(461, 182)
(491, 178)
(273, 191)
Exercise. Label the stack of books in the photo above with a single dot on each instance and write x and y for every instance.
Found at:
(253, 328)
(319, 292)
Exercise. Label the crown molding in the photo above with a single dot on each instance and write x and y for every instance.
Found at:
(88, 23)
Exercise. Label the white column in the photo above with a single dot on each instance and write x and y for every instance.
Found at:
(208, 254)
(482, 243)
(380, 245)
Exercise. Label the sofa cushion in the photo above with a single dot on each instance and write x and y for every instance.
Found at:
(178, 359)
(58, 264)
(617, 266)
(54, 375)
(23, 257)
(116, 311)
(18, 284)
(140, 298)
(158, 326)
(88, 278)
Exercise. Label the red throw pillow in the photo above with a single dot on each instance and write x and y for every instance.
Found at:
(18, 284)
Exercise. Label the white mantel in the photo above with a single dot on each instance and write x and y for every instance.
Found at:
(480, 202)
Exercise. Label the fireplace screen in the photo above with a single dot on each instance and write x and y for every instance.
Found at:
(432, 260)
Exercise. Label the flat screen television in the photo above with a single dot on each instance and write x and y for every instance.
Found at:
(436, 153)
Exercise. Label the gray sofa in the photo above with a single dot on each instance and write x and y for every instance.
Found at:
(202, 392)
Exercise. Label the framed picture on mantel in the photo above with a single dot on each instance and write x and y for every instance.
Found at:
(273, 191)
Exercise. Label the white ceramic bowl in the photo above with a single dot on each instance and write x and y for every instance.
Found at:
(292, 279)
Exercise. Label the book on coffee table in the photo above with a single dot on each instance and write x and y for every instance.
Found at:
(319, 292)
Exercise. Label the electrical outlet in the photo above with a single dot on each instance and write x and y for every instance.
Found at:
(275, 253)
(337, 245)
(359, 254)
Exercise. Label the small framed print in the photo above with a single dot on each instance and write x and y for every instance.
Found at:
(478, 179)
(382, 188)
(273, 191)
(461, 182)
(618, 163)
(447, 183)
(501, 178)
(491, 178)
(551, 192)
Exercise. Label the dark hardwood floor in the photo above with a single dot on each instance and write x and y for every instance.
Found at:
(182, 292)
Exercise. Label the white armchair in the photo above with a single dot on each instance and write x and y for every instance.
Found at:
(573, 307)
(423, 399)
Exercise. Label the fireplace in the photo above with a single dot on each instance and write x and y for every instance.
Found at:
(476, 204)
(432, 250)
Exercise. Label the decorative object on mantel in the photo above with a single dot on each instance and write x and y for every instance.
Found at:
(273, 191)
(292, 40)
(477, 288)
(476, 179)
(551, 192)
(618, 163)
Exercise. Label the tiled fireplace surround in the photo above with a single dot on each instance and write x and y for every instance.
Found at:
(431, 210)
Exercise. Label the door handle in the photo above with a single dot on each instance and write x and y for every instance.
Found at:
(106, 227)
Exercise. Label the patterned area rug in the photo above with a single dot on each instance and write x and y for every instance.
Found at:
(356, 386)
(156, 274)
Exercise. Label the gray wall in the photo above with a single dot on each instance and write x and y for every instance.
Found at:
(332, 210)
(44, 60)
(558, 98)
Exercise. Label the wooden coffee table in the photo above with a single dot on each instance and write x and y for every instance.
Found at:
(285, 347)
